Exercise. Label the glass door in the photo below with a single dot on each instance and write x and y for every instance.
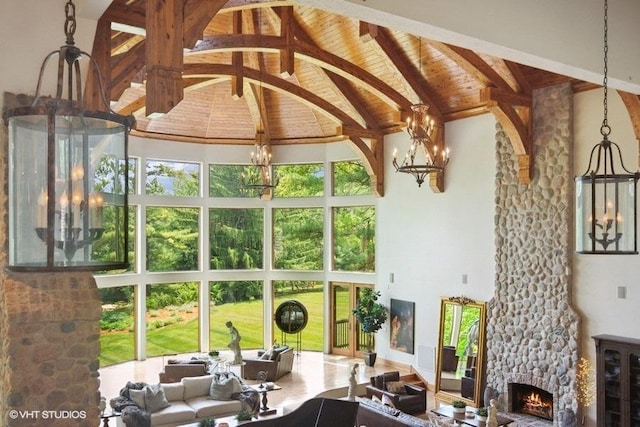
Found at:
(612, 388)
(346, 338)
(634, 388)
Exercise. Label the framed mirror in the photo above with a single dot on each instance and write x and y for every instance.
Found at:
(460, 352)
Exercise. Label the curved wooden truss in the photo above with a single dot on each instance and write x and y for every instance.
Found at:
(218, 71)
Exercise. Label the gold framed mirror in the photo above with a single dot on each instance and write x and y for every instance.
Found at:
(460, 352)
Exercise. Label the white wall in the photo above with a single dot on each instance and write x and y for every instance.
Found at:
(428, 240)
(596, 278)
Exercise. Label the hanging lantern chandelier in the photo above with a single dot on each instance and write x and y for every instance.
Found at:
(68, 175)
(606, 206)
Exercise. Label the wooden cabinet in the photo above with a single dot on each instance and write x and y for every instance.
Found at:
(618, 381)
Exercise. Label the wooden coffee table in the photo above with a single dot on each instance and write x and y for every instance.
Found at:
(447, 411)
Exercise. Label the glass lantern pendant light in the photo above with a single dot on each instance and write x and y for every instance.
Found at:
(606, 200)
(68, 175)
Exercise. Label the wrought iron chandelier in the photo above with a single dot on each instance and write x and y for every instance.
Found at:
(68, 174)
(606, 206)
(421, 128)
(260, 179)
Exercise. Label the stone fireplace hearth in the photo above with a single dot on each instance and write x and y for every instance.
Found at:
(532, 330)
(530, 400)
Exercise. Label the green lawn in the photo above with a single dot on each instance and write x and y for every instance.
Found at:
(182, 337)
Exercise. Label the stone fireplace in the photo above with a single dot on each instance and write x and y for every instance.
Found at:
(532, 329)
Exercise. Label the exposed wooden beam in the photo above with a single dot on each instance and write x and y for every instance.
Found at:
(492, 94)
(287, 32)
(164, 55)
(473, 64)
(407, 69)
(237, 79)
(101, 53)
(197, 14)
(124, 69)
(314, 55)
(632, 102)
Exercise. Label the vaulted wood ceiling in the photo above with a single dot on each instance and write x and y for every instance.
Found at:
(223, 71)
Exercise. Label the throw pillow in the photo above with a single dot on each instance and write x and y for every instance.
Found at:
(396, 387)
(223, 386)
(267, 354)
(137, 397)
(386, 400)
(154, 398)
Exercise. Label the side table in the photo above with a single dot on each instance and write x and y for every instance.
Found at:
(264, 389)
(107, 415)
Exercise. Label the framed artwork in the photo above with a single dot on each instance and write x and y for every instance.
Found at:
(402, 325)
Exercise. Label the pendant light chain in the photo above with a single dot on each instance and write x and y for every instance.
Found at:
(605, 130)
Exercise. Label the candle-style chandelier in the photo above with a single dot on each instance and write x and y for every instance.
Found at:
(421, 128)
(260, 178)
(606, 200)
(68, 174)
(425, 155)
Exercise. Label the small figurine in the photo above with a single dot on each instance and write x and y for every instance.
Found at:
(234, 344)
(492, 421)
(351, 394)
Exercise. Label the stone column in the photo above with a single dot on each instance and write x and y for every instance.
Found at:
(532, 329)
(50, 335)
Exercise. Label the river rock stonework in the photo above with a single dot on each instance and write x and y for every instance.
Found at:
(50, 334)
(532, 329)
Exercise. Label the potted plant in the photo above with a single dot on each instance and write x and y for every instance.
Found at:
(370, 315)
(481, 414)
(214, 353)
(244, 416)
(207, 422)
(459, 406)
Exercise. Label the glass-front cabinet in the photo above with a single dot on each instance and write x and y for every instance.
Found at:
(618, 381)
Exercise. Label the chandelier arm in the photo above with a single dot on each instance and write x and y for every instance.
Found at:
(42, 68)
(620, 158)
(589, 169)
(79, 94)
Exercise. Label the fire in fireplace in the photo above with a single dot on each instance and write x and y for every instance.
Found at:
(527, 399)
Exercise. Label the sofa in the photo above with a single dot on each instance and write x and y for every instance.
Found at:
(187, 401)
(176, 370)
(372, 413)
(276, 362)
(389, 388)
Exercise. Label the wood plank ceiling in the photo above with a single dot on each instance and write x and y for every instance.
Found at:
(223, 71)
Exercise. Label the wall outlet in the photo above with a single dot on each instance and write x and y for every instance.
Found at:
(465, 279)
(622, 292)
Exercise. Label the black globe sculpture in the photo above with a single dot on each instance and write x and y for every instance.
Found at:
(291, 317)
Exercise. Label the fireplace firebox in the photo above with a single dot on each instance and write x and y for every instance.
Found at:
(531, 400)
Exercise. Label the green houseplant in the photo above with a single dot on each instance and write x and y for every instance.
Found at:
(244, 416)
(459, 406)
(370, 315)
(207, 422)
(482, 413)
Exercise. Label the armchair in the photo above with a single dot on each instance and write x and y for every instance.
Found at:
(409, 398)
(276, 362)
